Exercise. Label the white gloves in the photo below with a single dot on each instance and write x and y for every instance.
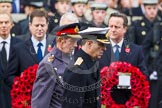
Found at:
(153, 76)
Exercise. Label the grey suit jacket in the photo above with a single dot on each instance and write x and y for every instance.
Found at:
(47, 89)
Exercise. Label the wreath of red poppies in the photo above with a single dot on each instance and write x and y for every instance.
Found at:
(140, 93)
(22, 88)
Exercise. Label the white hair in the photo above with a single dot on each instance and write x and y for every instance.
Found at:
(68, 18)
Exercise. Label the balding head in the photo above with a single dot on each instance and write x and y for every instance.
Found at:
(68, 18)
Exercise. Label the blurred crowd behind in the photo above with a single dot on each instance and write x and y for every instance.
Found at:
(145, 22)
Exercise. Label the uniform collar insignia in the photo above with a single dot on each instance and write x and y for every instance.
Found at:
(51, 58)
(79, 61)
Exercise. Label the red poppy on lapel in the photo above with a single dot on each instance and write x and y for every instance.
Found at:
(127, 49)
(49, 48)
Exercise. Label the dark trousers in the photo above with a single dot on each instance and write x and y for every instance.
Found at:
(153, 103)
(5, 98)
(160, 93)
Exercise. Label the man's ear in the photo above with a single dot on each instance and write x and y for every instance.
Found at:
(125, 29)
(72, 8)
(91, 13)
(30, 25)
(56, 5)
(89, 43)
(12, 24)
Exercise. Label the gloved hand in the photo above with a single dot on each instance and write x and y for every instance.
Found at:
(153, 76)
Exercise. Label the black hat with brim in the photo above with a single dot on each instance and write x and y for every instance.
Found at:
(94, 33)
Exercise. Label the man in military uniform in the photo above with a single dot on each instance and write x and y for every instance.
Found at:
(158, 62)
(111, 4)
(67, 18)
(152, 50)
(98, 12)
(61, 7)
(82, 77)
(47, 89)
(78, 7)
(143, 26)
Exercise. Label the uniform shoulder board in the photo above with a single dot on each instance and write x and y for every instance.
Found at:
(51, 58)
(79, 61)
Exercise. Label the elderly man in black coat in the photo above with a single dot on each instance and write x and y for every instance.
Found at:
(82, 77)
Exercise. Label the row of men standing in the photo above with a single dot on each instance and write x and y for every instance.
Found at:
(84, 70)
(61, 7)
(24, 54)
(21, 54)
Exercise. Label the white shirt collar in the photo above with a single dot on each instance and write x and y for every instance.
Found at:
(35, 41)
(8, 39)
(120, 43)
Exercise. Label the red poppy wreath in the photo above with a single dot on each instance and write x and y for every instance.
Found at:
(22, 88)
(140, 93)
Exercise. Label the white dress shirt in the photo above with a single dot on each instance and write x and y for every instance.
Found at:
(113, 45)
(35, 43)
(7, 45)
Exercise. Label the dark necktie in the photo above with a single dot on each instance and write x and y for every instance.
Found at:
(117, 52)
(39, 51)
(4, 55)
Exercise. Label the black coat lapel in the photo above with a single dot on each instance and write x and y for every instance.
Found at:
(12, 43)
(109, 54)
(30, 48)
(124, 55)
